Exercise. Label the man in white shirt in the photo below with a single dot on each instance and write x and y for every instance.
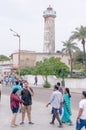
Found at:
(81, 119)
(0, 89)
(55, 101)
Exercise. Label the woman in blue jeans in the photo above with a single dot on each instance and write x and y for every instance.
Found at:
(14, 104)
(81, 118)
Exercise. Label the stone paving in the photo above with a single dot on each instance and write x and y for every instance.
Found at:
(41, 116)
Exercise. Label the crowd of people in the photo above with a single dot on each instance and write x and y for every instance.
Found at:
(21, 95)
(60, 100)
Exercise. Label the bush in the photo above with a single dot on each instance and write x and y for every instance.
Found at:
(46, 84)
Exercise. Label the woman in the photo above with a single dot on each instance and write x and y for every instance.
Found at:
(14, 103)
(66, 106)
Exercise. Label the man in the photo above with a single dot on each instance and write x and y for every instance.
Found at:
(81, 119)
(26, 95)
(55, 101)
(60, 88)
(36, 80)
(0, 89)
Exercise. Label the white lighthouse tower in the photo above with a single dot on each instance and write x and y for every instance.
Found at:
(49, 30)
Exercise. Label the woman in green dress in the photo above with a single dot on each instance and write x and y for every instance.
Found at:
(66, 117)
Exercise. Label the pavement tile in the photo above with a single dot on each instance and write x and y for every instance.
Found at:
(41, 116)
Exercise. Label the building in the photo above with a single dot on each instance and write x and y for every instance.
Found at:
(29, 58)
(5, 67)
(49, 30)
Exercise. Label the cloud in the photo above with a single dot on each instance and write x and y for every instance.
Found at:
(25, 17)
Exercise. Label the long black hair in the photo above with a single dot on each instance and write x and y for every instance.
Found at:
(68, 91)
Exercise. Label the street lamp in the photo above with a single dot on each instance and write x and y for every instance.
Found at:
(17, 35)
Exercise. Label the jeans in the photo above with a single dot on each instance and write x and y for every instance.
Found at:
(59, 111)
(81, 124)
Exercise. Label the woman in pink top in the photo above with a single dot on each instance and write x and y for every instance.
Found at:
(14, 103)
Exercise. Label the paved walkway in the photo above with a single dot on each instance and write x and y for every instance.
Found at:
(40, 116)
(74, 90)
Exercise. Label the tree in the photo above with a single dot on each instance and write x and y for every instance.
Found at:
(80, 34)
(78, 57)
(69, 48)
(4, 58)
(51, 66)
(25, 71)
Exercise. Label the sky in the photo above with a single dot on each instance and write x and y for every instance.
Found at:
(26, 18)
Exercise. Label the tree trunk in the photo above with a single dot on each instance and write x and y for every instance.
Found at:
(45, 78)
(84, 58)
(71, 63)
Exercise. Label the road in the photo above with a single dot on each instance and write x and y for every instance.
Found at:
(43, 95)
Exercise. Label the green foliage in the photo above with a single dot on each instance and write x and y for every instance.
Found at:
(79, 33)
(25, 71)
(78, 60)
(78, 57)
(51, 66)
(69, 47)
(77, 66)
(46, 84)
(4, 58)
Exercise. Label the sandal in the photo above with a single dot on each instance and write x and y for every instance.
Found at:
(21, 123)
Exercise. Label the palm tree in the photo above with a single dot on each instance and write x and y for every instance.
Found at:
(69, 48)
(80, 34)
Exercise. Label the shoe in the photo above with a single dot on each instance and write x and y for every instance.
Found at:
(60, 126)
(16, 125)
(52, 123)
(21, 123)
(31, 123)
(70, 124)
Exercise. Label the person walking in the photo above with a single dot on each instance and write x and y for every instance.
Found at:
(0, 89)
(26, 95)
(81, 118)
(61, 90)
(55, 101)
(66, 107)
(7, 80)
(36, 80)
(14, 104)
(60, 87)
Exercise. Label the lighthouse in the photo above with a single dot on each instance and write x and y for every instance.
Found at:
(49, 30)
